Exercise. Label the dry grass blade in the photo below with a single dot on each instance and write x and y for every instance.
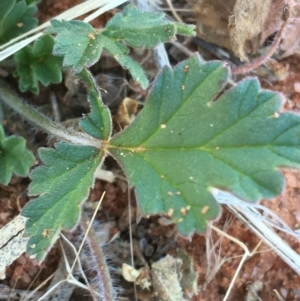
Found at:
(13, 46)
(68, 279)
(246, 255)
(252, 218)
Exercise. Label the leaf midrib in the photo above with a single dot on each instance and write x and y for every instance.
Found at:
(140, 149)
(173, 115)
(61, 200)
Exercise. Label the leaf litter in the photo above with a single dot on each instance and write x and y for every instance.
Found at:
(251, 23)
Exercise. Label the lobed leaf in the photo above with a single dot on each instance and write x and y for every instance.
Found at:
(62, 185)
(98, 122)
(184, 142)
(139, 28)
(78, 42)
(120, 53)
(14, 157)
(16, 17)
(81, 45)
(36, 64)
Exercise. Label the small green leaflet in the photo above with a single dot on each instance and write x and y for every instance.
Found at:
(184, 142)
(152, 28)
(14, 157)
(36, 64)
(16, 17)
(98, 122)
(81, 45)
(120, 53)
(62, 185)
(78, 42)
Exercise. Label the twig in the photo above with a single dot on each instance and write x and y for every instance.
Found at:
(244, 257)
(213, 266)
(172, 9)
(62, 283)
(278, 295)
(32, 294)
(181, 47)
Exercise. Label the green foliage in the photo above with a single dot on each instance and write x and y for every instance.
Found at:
(81, 45)
(36, 64)
(14, 157)
(152, 28)
(187, 142)
(1, 113)
(185, 30)
(98, 122)
(16, 17)
(63, 185)
(120, 53)
(189, 137)
(78, 42)
(31, 1)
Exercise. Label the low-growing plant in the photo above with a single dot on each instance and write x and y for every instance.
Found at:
(190, 136)
(16, 17)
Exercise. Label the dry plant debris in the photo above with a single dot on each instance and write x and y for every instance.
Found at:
(243, 26)
(246, 23)
(12, 244)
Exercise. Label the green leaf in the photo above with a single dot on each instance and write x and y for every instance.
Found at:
(98, 122)
(81, 45)
(14, 157)
(63, 185)
(36, 64)
(15, 18)
(31, 1)
(139, 28)
(184, 142)
(78, 42)
(119, 52)
(1, 113)
(185, 30)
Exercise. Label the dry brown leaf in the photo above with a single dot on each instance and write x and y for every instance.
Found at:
(246, 23)
(243, 25)
(231, 23)
(212, 20)
(126, 112)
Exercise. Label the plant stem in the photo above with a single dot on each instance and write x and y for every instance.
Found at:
(104, 279)
(44, 123)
